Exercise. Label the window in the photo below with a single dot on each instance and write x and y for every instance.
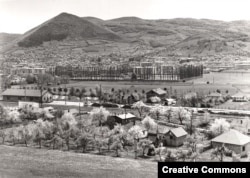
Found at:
(171, 137)
(243, 148)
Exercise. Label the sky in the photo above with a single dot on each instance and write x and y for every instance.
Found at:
(19, 16)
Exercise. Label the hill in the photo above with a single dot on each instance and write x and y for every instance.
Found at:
(191, 36)
(94, 20)
(6, 38)
(39, 163)
(67, 36)
(65, 26)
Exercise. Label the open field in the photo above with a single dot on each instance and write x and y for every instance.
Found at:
(181, 88)
(234, 105)
(225, 78)
(24, 162)
(223, 81)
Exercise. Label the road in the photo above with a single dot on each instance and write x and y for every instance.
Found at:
(22, 162)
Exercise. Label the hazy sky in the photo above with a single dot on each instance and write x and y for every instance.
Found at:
(18, 16)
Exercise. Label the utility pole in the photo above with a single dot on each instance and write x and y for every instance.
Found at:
(191, 123)
(25, 93)
(41, 90)
(157, 129)
(100, 94)
(40, 87)
(65, 90)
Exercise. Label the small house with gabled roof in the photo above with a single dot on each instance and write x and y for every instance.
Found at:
(175, 137)
(167, 135)
(125, 118)
(157, 92)
(233, 140)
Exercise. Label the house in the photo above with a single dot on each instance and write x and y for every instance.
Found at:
(125, 118)
(240, 97)
(175, 137)
(15, 95)
(156, 92)
(168, 136)
(162, 130)
(214, 95)
(20, 70)
(170, 101)
(242, 125)
(233, 140)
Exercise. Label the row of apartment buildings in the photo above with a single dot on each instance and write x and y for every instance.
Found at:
(21, 70)
(145, 71)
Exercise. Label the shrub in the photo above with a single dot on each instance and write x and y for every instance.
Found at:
(109, 105)
(110, 122)
(203, 123)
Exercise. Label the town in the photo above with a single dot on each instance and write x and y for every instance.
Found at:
(125, 91)
(187, 123)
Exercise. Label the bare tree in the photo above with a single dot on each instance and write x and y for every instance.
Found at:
(182, 114)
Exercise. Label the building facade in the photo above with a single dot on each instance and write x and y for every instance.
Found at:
(15, 95)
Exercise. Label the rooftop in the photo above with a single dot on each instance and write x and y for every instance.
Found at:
(159, 91)
(162, 129)
(178, 132)
(232, 137)
(215, 94)
(126, 116)
(240, 94)
(22, 92)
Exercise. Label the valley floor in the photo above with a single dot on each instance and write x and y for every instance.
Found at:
(22, 162)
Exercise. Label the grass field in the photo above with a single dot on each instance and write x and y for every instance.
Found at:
(181, 88)
(22, 162)
(225, 78)
(223, 81)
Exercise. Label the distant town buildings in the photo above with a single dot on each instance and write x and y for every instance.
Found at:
(23, 71)
(149, 71)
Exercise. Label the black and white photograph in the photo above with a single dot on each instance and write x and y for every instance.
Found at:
(117, 88)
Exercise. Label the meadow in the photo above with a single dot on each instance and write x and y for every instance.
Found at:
(25, 162)
(224, 81)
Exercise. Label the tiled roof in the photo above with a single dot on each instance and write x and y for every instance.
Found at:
(178, 132)
(232, 137)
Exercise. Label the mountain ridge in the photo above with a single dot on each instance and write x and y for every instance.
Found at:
(135, 36)
(64, 26)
